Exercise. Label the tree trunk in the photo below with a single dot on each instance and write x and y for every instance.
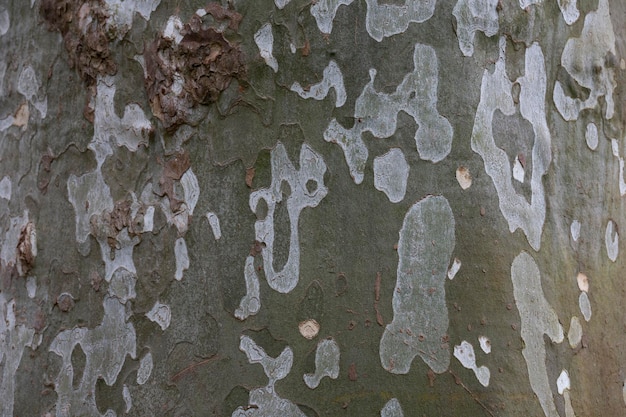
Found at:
(312, 208)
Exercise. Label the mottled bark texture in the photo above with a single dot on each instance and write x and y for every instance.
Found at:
(312, 208)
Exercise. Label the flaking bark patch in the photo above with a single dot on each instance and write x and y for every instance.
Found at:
(181, 75)
(173, 170)
(83, 27)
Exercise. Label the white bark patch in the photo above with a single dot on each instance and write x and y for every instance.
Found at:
(583, 282)
(326, 363)
(250, 304)
(121, 13)
(518, 171)
(563, 382)
(569, 10)
(465, 354)
(324, 12)
(121, 257)
(264, 39)
(377, 113)
(384, 20)
(214, 222)
(611, 240)
(122, 285)
(464, 177)
(624, 391)
(13, 339)
(281, 3)
(591, 136)
(575, 332)
(172, 29)
(311, 174)
(575, 230)
(90, 196)
(615, 150)
(105, 348)
(28, 85)
(131, 130)
(391, 172)
(128, 400)
(473, 16)
(485, 344)
(537, 318)
(265, 401)
(454, 268)
(31, 287)
(569, 410)
(148, 219)
(146, 365)
(6, 123)
(392, 409)
(496, 95)
(191, 190)
(309, 328)
(160, 314)
(5, 188)
(5, 22)
(584, 60)
(420, 318)
(331, 78)
(182, 258)
(585, 305)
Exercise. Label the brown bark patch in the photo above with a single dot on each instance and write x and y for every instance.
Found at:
(26, 248)
(173, 170)
(82, 23)
(180, 76)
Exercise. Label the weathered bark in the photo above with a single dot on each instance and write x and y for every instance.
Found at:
(319, 208)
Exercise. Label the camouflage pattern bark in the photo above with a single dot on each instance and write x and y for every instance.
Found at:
(312, 208)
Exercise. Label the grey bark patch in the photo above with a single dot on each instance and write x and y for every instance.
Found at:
(420, 321)
(179, 75)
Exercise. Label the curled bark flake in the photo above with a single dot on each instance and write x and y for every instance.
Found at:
(26, 248)
(82, 23)
(173, 170)
(195, 70)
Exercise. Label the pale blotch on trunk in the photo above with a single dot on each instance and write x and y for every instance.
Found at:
(496, 95)
(391, 172)
(392, 409)
(420, 320)
(473, 16)
(537, 318)
(465, 354)
(326, 363)
(331, 78)
(264, 39)
(584, 60)
(312, 169)
(377, 113)
(265, 401)
(384, 20)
